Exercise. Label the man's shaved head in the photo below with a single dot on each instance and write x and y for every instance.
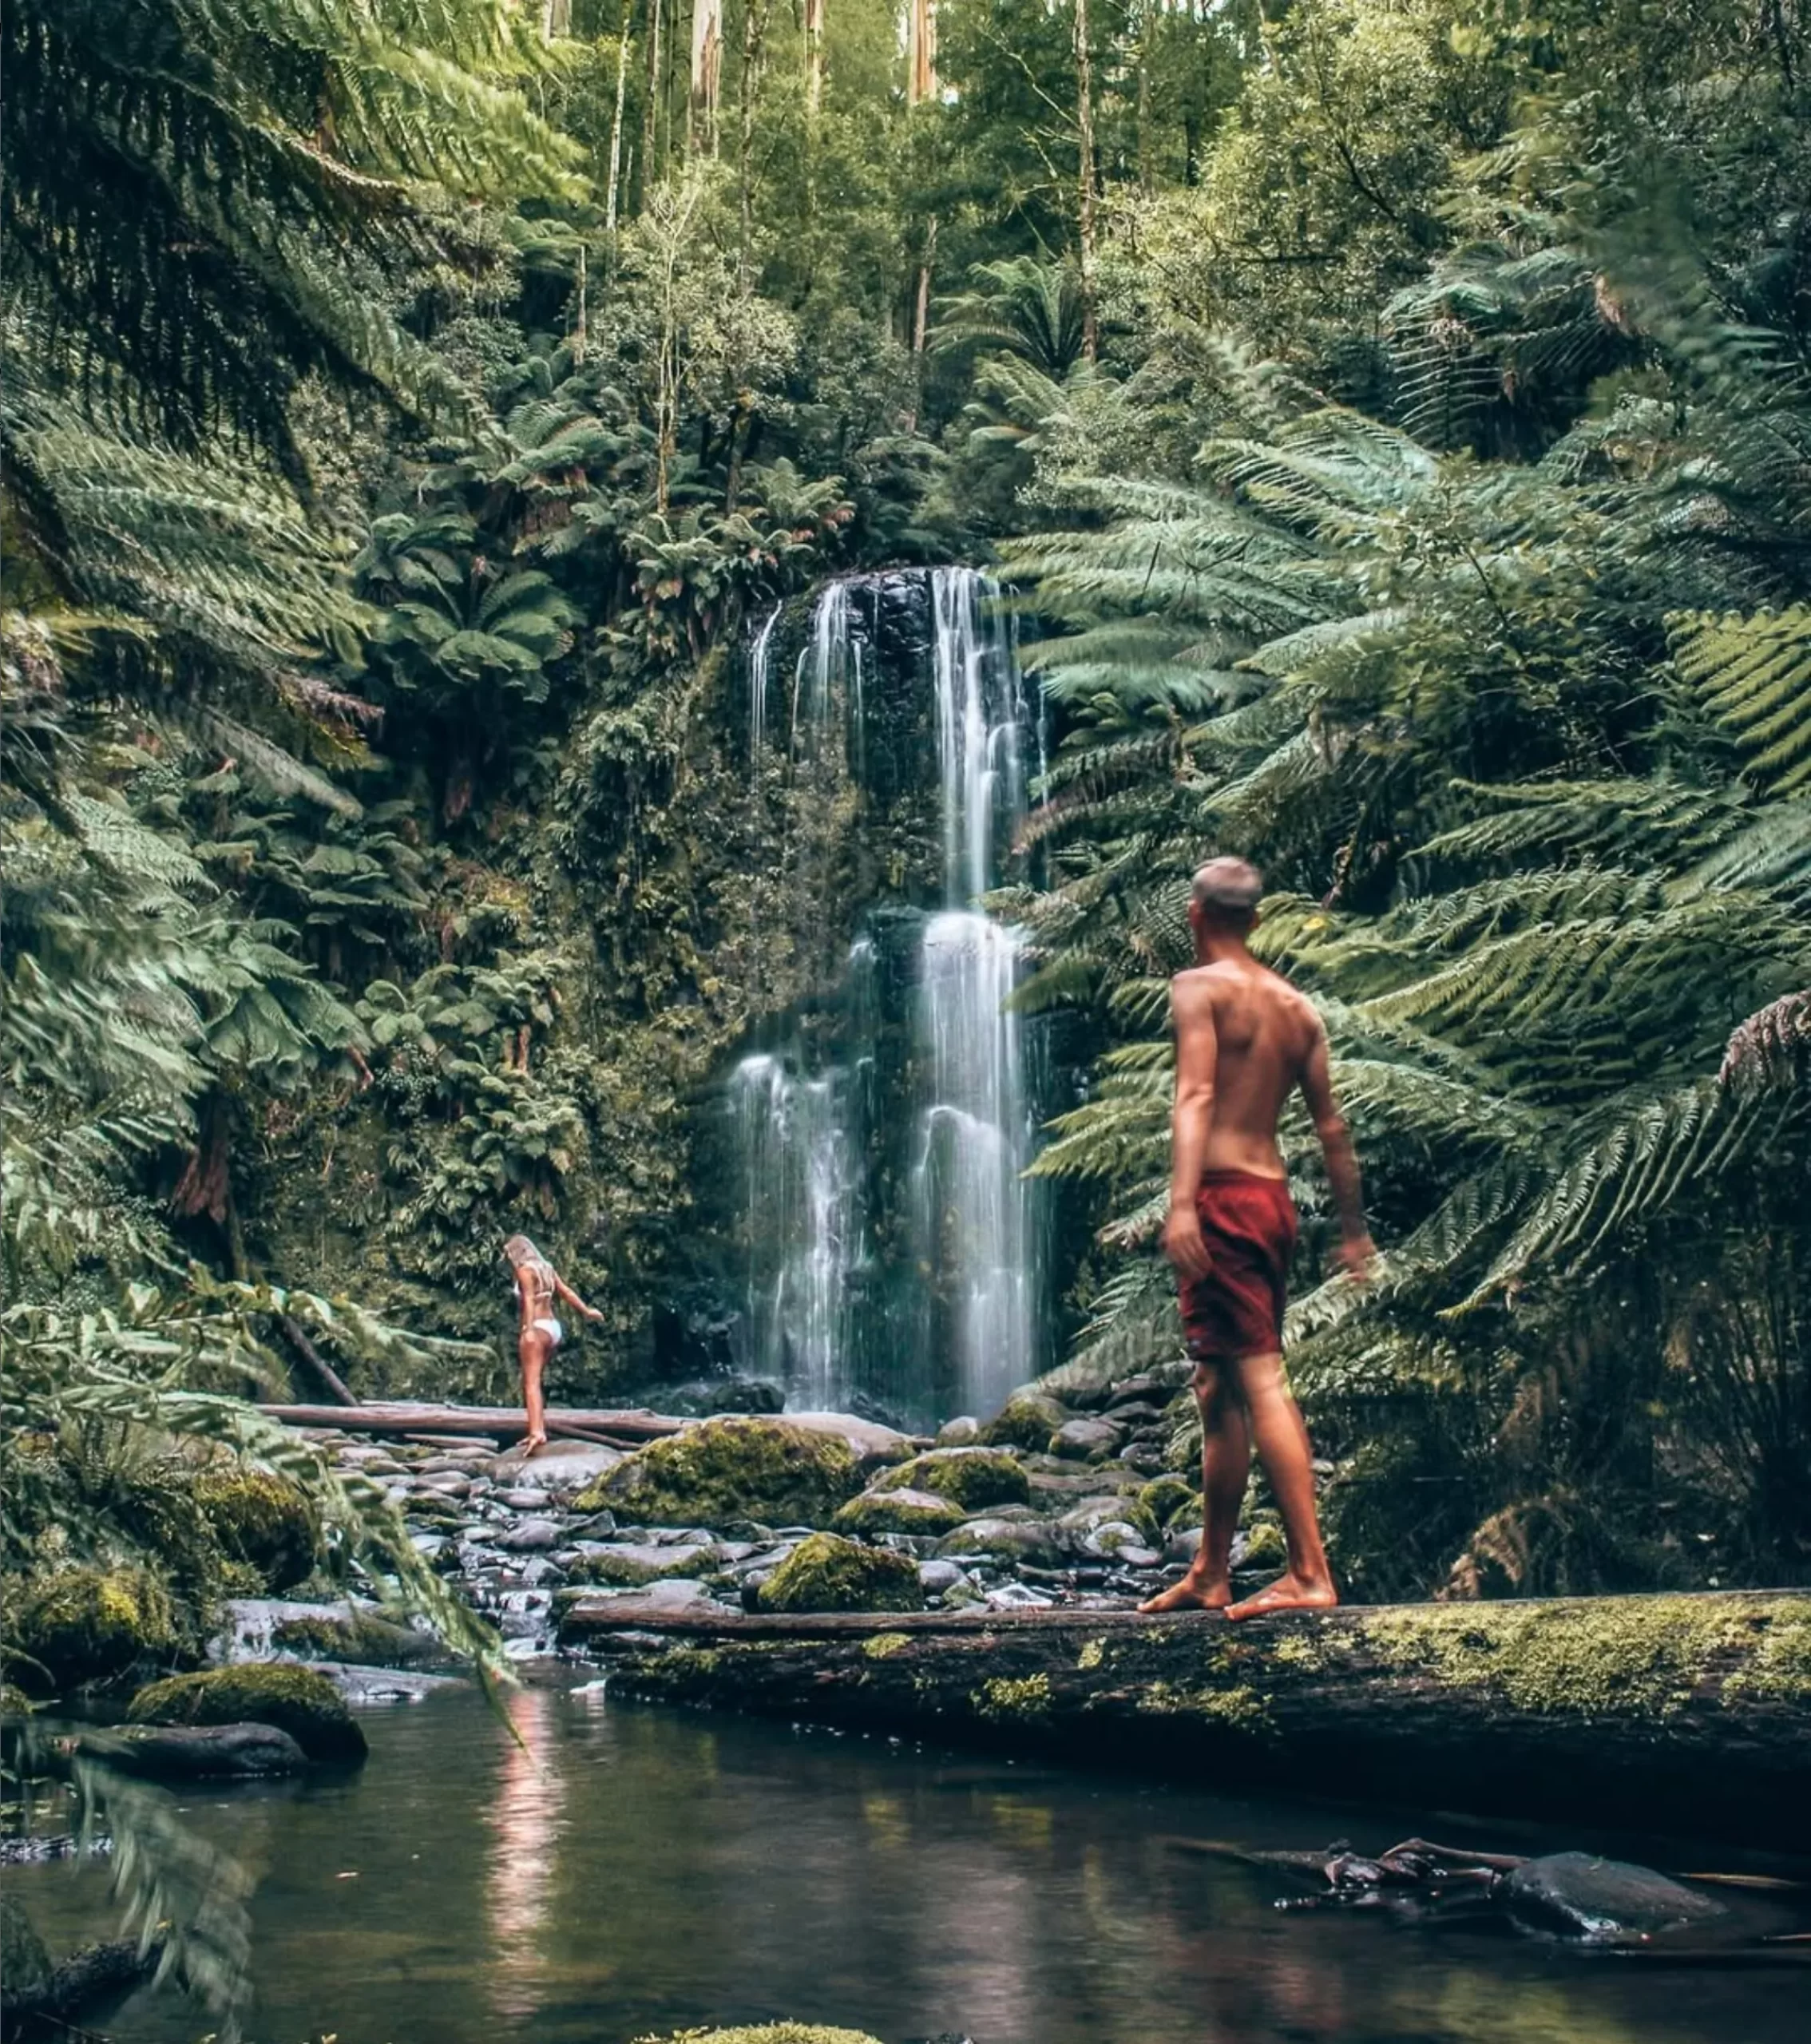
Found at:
(1227, 891)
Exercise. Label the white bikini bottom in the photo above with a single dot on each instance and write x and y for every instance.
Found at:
(551, 1328)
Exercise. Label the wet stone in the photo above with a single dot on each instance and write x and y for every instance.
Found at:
(531, 1534)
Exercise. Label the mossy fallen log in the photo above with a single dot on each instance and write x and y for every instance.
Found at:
(618, 1428)
(1670, 1712)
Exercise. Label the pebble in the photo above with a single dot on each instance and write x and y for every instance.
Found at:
(935, 1577)
(524, 1500)
(1017, 1597)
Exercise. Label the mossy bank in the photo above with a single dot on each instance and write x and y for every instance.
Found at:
(1685, 1713)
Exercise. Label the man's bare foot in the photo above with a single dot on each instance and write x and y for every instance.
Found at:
(1196, 1592)
(1288, 1592)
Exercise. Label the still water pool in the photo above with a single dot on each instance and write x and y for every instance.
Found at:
(625, 1870)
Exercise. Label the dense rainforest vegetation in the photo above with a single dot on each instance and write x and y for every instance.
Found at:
(1392, 419)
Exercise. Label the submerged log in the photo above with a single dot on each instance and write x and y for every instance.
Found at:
(614, 1428)
(1668, 1712)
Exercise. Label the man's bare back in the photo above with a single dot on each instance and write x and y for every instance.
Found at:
(1264, 1034)
(1246, 1039)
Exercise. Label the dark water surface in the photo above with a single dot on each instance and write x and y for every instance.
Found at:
(628, 1870)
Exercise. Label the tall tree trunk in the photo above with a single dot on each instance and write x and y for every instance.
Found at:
(613, 189)
(580, 335)
(753, 38)
(650, 113)
(814, 56)
(921, 321)
(1084, 179)
(1147, 18)
(921, 53)
(555, 19)
(706, 73)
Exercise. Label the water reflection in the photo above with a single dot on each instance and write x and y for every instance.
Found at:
(524, 1822)
(626, 1873)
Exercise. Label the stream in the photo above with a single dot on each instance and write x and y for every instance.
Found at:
(625, 1870)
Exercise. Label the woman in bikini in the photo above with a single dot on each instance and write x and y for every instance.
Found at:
(538, 1285)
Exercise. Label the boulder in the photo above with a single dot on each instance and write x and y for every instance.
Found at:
(630, 1563)
(962, 1432)
(358, 1637)
(301, 1702)
(1604, 1901)
(974, 1477)
(1028, 1420)
(772, 1471)
(262, 1519)
(827, 1573)
(25, 1965)
(1086, 1440)
(1008, 1541)
(197, 1752)
(84, 1626)
(898, 1510)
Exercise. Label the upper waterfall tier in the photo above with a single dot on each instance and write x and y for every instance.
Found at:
(878, 1127)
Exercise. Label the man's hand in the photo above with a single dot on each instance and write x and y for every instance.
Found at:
(1184, 1245)
(1357, 1257)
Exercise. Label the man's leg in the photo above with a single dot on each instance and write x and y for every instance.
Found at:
(1226, 1466)
(1282, 1447)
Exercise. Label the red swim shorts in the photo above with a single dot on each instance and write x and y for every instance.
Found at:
(1248, 1223)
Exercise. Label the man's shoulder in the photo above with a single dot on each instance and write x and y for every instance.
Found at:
(1197, 984)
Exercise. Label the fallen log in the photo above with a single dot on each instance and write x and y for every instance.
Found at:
(614, 1427)
(297, 1337)
(1664, 1713)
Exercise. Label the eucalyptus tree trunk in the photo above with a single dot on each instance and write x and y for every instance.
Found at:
(1146, 20)
(921, 53)
(555, 19)
(753, 40)
(706, 73)
(1084, 179)
(612, 190)
(650, 113)
(814, 56)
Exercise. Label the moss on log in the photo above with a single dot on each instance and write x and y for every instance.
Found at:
(1671, 1712)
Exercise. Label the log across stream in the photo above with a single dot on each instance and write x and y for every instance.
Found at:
(1684, 1713)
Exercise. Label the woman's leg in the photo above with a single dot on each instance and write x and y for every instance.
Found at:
(534, 1348)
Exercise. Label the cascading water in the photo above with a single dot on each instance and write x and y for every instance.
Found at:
(882, 1132)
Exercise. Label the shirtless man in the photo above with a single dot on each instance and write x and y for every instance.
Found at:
(1245, 1039)
(539, 1332)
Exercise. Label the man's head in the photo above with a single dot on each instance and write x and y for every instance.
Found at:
(519, 1250)
(1223, 899)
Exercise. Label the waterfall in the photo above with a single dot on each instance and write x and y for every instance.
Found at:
(972, 1202)
(883, 1129)
(800, 1174)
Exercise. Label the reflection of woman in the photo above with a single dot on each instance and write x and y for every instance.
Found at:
(538, 1332)
(525, 1828)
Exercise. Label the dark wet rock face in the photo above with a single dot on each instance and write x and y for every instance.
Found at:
(1574, 1895)
(199, 1752)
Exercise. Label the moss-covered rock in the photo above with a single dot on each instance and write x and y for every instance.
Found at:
(262, 1519)
(827, 1573)
(1264, 1546)
(766, 2033)
(300, 1701)
(1028, 1420)
(14, 1701)
(974, 1477)
(25, 1965)
(736, 1468)
(367, 1641)
(1163, 1501)
(81, 1626)
(884, 1510)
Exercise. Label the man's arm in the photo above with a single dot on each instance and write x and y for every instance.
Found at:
(1356, 1251)
(1198, 1057)
(572, 1299)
